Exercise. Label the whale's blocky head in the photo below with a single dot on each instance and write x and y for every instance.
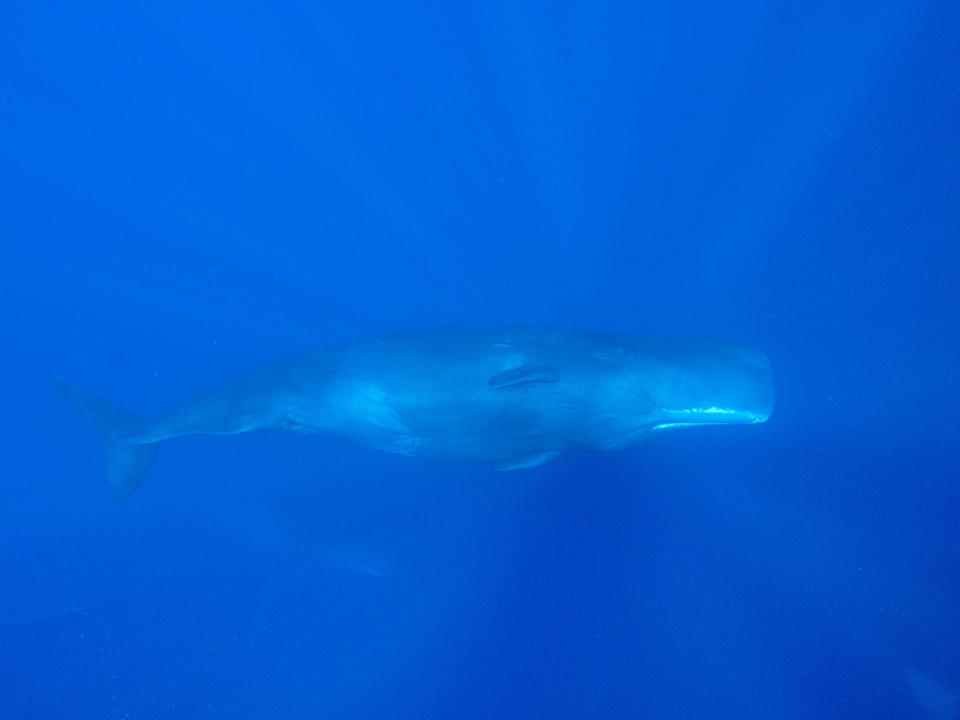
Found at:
(702, 382)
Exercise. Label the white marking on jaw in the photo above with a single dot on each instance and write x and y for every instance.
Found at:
(712, 410)
(667, 426)
(744, 418)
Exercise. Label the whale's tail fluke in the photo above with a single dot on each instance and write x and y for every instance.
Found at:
(128, 458)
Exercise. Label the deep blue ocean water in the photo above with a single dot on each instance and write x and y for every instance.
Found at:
(188, 190)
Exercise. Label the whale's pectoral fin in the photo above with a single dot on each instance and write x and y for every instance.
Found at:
(528, 461)
(525, 375)
(394, 442)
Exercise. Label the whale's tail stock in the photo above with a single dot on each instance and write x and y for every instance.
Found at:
(128, 458)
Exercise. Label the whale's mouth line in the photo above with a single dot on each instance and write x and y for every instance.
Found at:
(710, 415)
(711, 410)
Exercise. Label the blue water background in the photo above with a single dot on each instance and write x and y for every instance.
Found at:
(190, 189)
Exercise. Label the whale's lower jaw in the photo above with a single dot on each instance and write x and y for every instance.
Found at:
(672, 425)
(710, 416)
